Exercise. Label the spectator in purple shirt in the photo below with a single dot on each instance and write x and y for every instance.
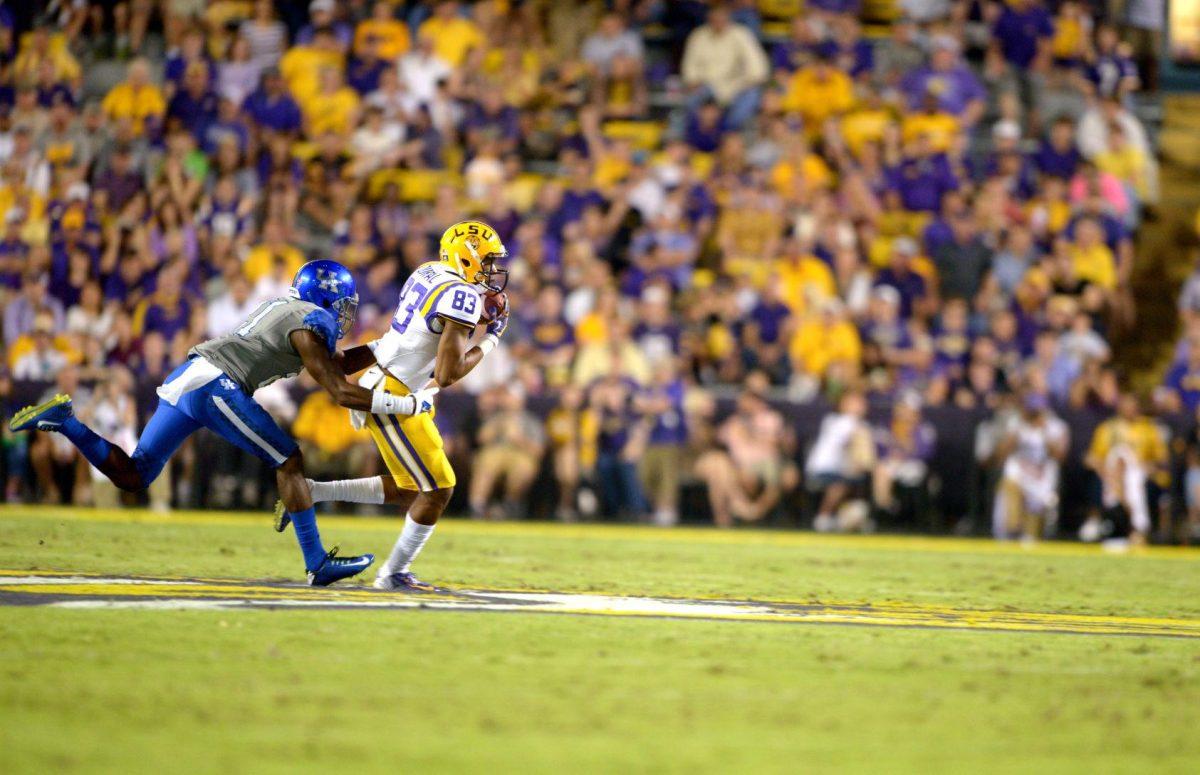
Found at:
(365, 69)
(957, 88)
(847, 47)
(190, 52)
(33, 300)
(921, 179)
(1022, 33)
(167, 311)
(1111, 71)
(661, 404)
(705, 127)
(794, 52)
(765, 334)
(904, 448)
(899, 274)
(1057, 154)
(322, 14)
(1183, 379)
(490, 116)
(195, 104)
(938, 232)
(120, 183)
(578, 197)
(271, 107)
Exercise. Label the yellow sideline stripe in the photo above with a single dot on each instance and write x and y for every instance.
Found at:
(697, 535)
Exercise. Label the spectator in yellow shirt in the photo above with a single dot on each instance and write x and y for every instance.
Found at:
(331, 446)
(261, 259)
(799, 171)
(826, 340)
(805, 282)
(453, 36)
(390, 34)
(135, 100)
(39, 47)
(301, 66)
(938, 126)
(1093, 260)
(334, 108)
(1125, 161)
(748, 231)
(326, 426)
(866, 123)
(818, 92)
(1126, 451)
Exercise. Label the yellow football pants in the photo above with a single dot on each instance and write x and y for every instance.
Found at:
(411, 447)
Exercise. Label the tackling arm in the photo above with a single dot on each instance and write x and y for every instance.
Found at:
(355, 359)
(329, 374)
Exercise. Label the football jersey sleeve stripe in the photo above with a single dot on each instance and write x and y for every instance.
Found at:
(436, 293)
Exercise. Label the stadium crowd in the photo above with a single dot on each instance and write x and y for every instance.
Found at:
(717, 212)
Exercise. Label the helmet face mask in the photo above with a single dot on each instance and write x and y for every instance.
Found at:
(491, 275)
(345, 309)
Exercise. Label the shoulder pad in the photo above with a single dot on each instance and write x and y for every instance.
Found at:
(321, 322)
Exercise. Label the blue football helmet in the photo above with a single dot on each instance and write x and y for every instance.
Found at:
(331, 287)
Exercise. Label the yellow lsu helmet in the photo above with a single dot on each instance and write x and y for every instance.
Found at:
(473, 250)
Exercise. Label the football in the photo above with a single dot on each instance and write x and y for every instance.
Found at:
(494, 306)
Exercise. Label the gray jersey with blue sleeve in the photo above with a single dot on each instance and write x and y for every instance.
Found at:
(260, 351)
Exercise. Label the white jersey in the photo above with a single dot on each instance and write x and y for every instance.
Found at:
(432, 295)
(1034, 441)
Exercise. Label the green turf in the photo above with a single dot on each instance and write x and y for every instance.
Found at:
(254, 691)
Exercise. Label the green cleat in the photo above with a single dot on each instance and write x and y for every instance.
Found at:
(282, 518)
(43, 417)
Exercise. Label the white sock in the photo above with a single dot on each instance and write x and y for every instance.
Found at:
(369, 490)
(408, 546)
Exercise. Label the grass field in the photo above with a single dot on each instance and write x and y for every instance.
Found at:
(237, 690)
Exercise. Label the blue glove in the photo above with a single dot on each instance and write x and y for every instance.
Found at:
(496, 327)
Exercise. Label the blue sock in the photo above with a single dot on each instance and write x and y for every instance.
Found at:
(94, 448)
(309, 538)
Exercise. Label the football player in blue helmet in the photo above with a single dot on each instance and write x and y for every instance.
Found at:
(331, 287)
(215, 387)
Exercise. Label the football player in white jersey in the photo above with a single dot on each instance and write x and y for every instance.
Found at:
(1027, 499)
(430, 336)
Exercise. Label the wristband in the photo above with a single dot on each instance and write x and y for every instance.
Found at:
(489, 343)
(373, 345)
(386, 403)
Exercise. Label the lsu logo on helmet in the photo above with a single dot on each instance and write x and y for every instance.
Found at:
(473, 250)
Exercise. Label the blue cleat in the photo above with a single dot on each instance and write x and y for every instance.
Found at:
(334, 568)
(403, 582)
(282, 518)
(43, 417)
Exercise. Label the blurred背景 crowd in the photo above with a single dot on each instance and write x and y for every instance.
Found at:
(769, 258)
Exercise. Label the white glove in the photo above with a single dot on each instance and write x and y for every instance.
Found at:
(416, 403)
(371, 378)
(424, 398)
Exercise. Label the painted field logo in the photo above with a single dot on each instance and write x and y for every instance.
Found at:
(83, 591)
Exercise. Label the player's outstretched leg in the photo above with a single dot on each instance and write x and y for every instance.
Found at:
(323, 567)
(58, 415)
